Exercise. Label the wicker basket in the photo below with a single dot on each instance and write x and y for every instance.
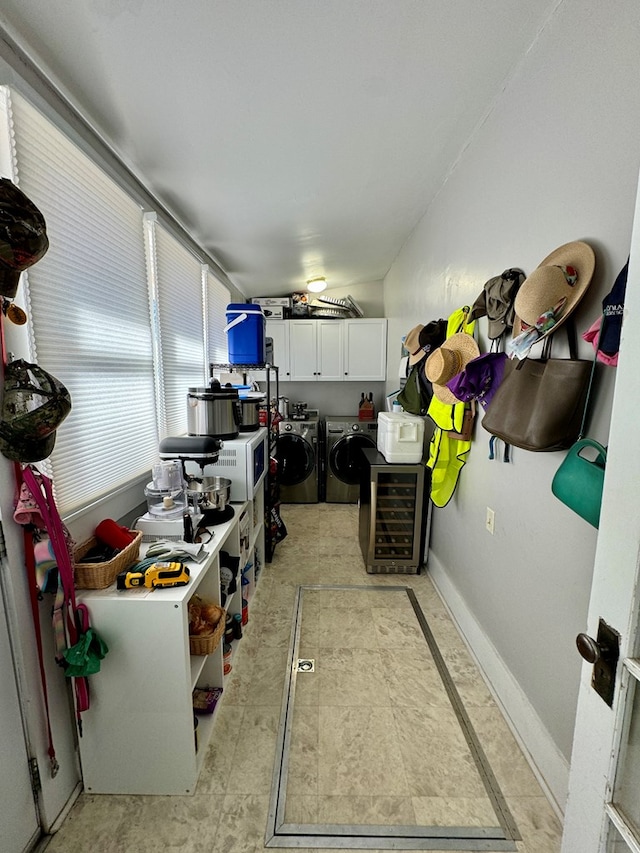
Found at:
(206, 644)
(102, 575)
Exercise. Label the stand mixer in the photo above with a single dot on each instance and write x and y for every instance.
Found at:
(170, 515)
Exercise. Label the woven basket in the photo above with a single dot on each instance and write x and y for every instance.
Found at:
(102, 575)
(206, 644)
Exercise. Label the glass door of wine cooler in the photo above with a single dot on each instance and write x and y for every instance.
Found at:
(391, 515)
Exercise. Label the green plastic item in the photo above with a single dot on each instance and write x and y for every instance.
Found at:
(578, 481)
(83, 658)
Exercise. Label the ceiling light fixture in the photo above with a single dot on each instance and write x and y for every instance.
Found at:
(317, 285)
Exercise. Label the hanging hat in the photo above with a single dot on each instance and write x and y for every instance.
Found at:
(480, 378)
(34, 405)
(447, 361)
(613, 310)
(23, 236)
(496, 301)
(564, 274)
(422, 340)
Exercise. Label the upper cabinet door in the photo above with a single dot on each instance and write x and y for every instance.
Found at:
(330, 352)
(303, 344)
(365, 350)
(278, 330)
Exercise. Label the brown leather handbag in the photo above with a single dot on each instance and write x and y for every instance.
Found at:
(540, 403)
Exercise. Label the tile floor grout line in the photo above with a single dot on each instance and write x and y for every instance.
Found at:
(489, 780)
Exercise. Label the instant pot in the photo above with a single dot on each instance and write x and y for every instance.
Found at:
(250, 411)
(214, 411)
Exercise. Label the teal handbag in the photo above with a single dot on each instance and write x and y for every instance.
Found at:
(578, 481)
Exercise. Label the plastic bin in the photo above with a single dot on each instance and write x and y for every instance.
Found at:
(245, 329)
(400, 436)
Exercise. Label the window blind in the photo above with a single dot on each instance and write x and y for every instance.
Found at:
(176, 299)
(88, 305)
(217, 298)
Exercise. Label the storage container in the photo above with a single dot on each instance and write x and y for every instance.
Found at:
(400, 436)
(246, 338)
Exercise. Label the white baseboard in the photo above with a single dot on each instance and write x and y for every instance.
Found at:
(547, 762)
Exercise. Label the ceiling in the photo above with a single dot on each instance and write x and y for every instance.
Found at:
(292, 138)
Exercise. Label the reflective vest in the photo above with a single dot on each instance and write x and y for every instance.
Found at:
(448, 455)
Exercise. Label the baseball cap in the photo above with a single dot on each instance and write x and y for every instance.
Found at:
(34, 405)
(23, 236)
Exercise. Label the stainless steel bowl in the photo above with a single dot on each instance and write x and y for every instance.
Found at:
(209, 492)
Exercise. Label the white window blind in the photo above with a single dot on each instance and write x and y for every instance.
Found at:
(89, 308)
(217, 300)
(176, 297)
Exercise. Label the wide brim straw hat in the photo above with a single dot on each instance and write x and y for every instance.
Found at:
(448, 361)
(548, 285)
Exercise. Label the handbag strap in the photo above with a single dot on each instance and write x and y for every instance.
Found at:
(573, 354)
(572, 340)
(591, 375)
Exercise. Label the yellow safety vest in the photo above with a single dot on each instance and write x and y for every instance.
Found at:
(448, 455)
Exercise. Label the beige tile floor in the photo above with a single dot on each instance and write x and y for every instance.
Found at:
(228, 812)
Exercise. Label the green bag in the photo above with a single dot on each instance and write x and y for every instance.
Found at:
(414, 398)
(578, 481)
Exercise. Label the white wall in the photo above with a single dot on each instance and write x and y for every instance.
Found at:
(555, 160)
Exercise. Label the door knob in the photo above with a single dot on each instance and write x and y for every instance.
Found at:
(590, 649)
(603, 654)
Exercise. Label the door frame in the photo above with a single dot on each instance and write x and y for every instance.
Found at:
(614, 593)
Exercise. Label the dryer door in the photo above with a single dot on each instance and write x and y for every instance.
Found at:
(296, 459)
(346, 461)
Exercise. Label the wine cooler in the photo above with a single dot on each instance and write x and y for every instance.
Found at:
(395, 515)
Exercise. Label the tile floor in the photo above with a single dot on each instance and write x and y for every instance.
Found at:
(228, 812)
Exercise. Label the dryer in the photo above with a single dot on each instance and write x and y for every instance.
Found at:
(346, 436)
(298, 455)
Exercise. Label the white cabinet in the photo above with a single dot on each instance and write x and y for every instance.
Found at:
(315, 350)
(309, 350)
(365, 350)
(278, 330)
(139, 735)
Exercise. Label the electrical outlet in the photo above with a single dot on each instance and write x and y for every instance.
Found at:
(490, 520)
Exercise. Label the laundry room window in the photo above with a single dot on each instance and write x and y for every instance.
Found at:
(175, 288)
(121, 309)
(217, 298)
(87, 301)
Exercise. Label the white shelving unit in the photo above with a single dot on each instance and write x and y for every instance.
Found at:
(139, 735)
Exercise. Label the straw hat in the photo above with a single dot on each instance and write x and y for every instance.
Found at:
(564, 274)
(447, 361)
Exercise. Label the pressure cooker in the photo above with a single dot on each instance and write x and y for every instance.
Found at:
(214, 411)
(250, 411)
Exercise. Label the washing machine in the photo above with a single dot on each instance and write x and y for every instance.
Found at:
(346, 436)
(298, 455)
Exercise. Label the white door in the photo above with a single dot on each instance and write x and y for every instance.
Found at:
(303, 350)
(19, 824)
(603, 809)
(278, 330)
(330, 351)
(365, 347)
